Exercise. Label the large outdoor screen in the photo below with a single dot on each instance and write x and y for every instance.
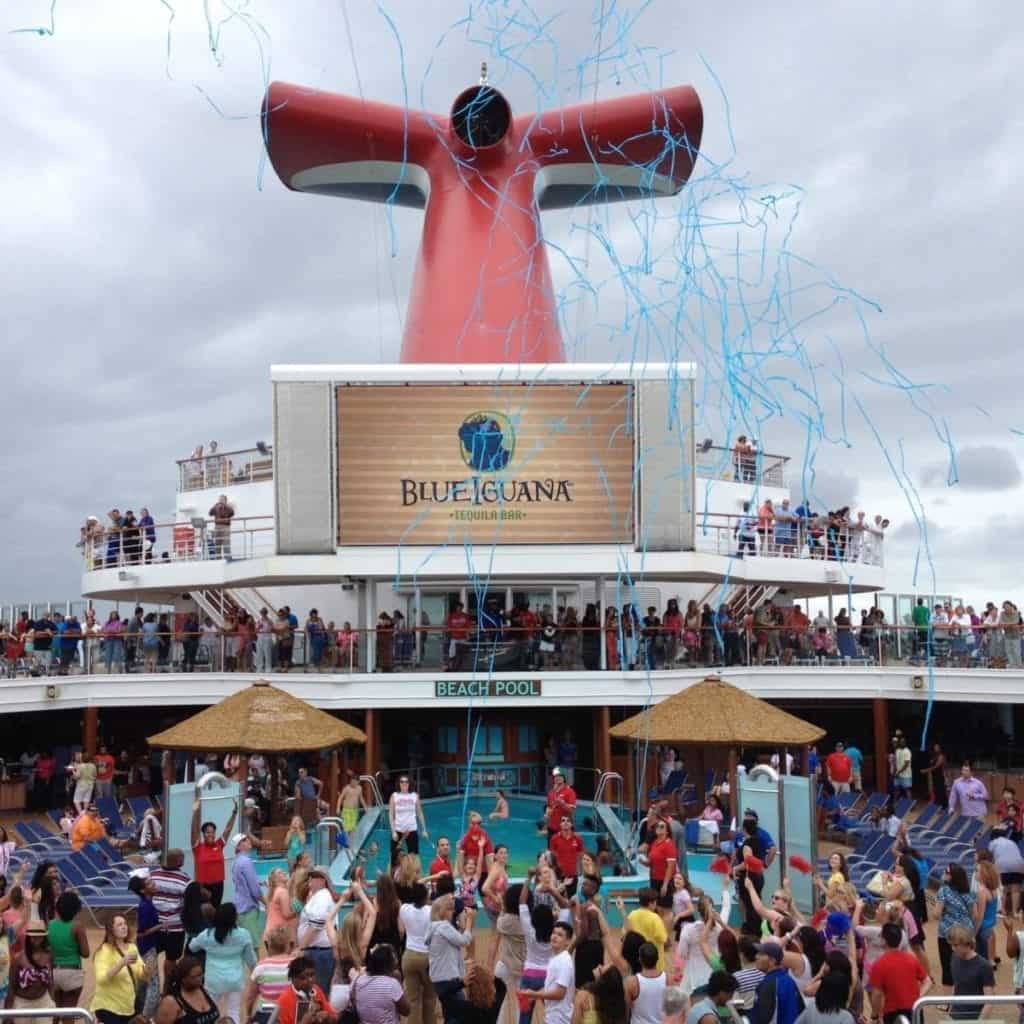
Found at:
(516, 464)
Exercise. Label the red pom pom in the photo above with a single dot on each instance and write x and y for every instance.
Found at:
(754, 865)
(801, 864)
(720, 865)
(525, 1003)
(819, 917)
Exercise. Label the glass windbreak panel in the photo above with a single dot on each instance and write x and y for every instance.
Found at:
(528, 743)
(433, 611)
(906, 609)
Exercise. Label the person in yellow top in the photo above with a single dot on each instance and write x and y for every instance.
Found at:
(119, 970)
(88, 828)
(646, 921)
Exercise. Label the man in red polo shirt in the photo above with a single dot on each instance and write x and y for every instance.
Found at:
(469, 844)
(567, 846)
(839, 766)
(561, 800)
(897, 980)
(208, 852)
(442, 863)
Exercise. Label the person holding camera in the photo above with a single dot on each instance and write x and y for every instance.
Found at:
(449, 933)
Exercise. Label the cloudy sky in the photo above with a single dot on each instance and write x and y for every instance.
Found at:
(155, 267)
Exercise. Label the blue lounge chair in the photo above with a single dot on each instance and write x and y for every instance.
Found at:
(111, 815)
(928, 814)
(138, 805)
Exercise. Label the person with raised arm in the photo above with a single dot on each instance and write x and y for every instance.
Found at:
(208, 852)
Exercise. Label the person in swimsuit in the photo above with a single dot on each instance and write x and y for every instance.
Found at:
(187, 1002)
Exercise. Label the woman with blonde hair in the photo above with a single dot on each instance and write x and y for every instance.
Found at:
(986, 904)
(295, 841)
(280, 911)
(352, 940)
(407, 874)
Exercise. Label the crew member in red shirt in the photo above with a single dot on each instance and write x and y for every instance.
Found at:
(567, 847)
(457, 625)
(561, 800)
(208, 852)
(442, 863)
(839, 766)
(661, 861)
(469, 844)
(897, 980)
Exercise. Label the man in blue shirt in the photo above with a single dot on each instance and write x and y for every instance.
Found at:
(248, 897)
(857, 759)
(771, 851)
(777, 999)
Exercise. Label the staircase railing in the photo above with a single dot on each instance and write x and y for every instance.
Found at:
(378, 797)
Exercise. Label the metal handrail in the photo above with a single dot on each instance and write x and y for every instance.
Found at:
(378, 797)
(318, 844)
(54, 1013)
(979, 1001)
(602, 784)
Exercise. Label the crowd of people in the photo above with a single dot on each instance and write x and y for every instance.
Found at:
(524, 638)
(779, 530)
(409, 943)
(128, 540)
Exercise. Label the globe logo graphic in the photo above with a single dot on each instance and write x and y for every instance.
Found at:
(487, 441)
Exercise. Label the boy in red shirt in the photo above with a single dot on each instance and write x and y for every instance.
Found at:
(897, 978)
(302, 993)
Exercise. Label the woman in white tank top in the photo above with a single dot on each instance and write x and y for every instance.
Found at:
(406, 816)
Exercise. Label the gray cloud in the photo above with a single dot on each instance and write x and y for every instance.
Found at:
(149, 283)
(977, 468)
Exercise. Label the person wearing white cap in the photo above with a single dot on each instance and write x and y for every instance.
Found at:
(248, 896)
(561, 801)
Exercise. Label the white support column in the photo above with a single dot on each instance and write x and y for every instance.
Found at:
(600, 622)
(370, 625)
(417, 598)
(508, 600)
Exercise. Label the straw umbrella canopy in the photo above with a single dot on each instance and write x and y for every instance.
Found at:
(261, 719)
(716, 713)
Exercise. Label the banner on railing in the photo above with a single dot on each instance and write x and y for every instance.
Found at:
(543, 464)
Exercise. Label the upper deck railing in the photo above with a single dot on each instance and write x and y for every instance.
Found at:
(225, 469)
(247, 465)
(741, 641)
(746, 536)
(717, 463)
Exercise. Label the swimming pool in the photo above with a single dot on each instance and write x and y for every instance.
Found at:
(445, 816)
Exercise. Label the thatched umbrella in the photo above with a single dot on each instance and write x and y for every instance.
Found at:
(261, 719)
(713, 713)
(716, 713)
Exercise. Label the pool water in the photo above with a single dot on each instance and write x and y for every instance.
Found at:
(445, 817)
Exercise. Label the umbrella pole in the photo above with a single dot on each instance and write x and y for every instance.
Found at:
(732, 782)
(273, 789)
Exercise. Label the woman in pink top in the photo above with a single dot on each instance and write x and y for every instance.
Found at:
(280, 913)
(348, 647)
